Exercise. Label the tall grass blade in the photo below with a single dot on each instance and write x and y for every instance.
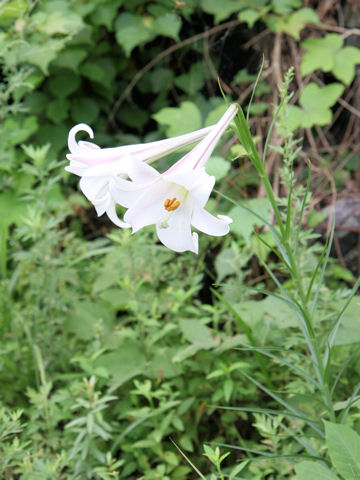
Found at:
(293, 367)
(188, 460)
(3, 244)
(267, 411)
(302, 209)
(282, 402)
(324, 265)
(254, 89)
(270, 455)
(342, 369)
(352, 399)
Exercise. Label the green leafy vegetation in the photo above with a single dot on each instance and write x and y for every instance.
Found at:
(121, 359)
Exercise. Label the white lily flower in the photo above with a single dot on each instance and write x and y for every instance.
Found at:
(102, 169)
(175, 200)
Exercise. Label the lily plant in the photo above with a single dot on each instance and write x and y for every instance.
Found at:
(101, 168)
(173, 201)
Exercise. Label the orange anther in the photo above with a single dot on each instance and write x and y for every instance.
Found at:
(171, 205)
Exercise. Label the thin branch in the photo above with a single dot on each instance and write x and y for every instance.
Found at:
(163, 54)
(346, 32)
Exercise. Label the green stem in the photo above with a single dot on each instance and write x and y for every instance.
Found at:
(307, 323)
(3, 241)
(294, 272)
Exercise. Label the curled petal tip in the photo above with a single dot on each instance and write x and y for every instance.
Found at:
(195, 238)
(72, 143)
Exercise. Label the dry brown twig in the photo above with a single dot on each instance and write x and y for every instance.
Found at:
(345, 32)
(158, 58)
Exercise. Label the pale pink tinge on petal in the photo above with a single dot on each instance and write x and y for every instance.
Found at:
(92, 154)
(201, 153)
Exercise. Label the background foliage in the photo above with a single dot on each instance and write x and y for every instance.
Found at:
(112, 347)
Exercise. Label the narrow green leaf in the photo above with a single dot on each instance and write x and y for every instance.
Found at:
(296, 369)
(254, 89)
(188, 460)
(302, 209)
(263, 454)
(267, 411)
(288, 216)
(282, 402)
(340, 315)
(352, 399)
(3, 244)
(324, 265)
(343, 367)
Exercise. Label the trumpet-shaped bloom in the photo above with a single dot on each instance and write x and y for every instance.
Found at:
(175, 200)
(103, 169)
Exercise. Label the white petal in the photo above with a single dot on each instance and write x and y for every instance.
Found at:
(111, 213)
(94, 188)
(77, 168)
(225, 218)
(197, 182)
(140, 172)
(91, 153)
(107, 169)
(72, 143)
(189, 179)
(107, 205)
(88, 145)
(201, 191)
(152, 151)
(207, 223)
(125, 193)
(178, 236)
(149, 208)
(102, 204)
